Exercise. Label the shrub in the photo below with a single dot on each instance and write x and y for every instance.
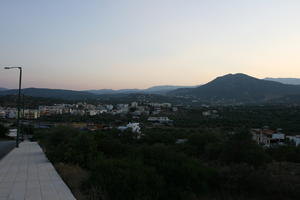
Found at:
(3, 131)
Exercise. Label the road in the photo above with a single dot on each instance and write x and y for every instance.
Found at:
(6, 147)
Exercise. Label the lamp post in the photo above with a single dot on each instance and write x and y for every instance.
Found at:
(23, 116)
(19, 103)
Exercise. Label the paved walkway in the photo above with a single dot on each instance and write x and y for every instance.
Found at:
(26, 173)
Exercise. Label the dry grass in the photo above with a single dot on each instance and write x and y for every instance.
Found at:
(74, 176)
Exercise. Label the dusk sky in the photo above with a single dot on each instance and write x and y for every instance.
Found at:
(96, 44)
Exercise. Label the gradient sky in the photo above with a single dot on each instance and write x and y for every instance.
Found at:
(95, 44)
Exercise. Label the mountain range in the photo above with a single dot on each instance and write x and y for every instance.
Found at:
(291, 81)
(152, 90)
(229, 89)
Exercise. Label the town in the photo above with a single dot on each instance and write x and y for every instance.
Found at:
(82, 109)
(152, 111)
(150, 100)
(140, 113)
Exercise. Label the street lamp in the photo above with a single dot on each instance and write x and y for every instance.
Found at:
(19, 103)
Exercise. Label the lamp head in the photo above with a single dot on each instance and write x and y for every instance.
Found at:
(13, 68)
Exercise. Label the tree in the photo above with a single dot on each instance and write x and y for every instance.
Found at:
(240, 148)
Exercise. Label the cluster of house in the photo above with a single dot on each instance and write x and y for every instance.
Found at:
(134, 109)
(268, 138)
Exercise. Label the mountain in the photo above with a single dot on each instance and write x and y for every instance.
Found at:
(2, 89)
(52, 93)
(238, 88)
(291, 81)
(228, 89)
(152, 90)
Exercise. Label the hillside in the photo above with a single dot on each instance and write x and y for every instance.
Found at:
(30, 102)
(239, 88)
(52, 93)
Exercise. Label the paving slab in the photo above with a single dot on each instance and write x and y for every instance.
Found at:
(27, 174)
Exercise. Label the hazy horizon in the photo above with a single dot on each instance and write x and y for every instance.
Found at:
(71, 44)
(157, 85)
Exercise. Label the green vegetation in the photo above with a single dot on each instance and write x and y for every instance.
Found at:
(212, 164)
(232, 117)
(3, 131)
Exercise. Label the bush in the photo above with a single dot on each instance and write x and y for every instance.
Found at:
(183, 176)
(240, 148)
(289, 153)
(126, 179)
(69, 145)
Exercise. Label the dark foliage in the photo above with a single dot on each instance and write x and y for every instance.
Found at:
(210, 165)
(3, 131)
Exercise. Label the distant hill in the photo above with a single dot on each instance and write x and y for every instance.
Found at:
(228, 89)
(291, 81)
(52, 93)
(30, 102)
(89, 94)
(238, 88)
(110, 91)
(163, 89)
(3, 89)
(152, 90)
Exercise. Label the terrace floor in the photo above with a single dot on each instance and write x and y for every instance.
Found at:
(26, 173)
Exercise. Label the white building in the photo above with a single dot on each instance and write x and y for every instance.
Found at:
(166, 105)
(134, 104)
(2, 114)
(12, 133)
(122, 109)
(31, 114)
(206, 113)
(93, 112)
(135, 128)
(295, 139)
(181, 141)
(12, 114)
(267, 137)
(162, 120)
(109, 107)
(51, 110)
